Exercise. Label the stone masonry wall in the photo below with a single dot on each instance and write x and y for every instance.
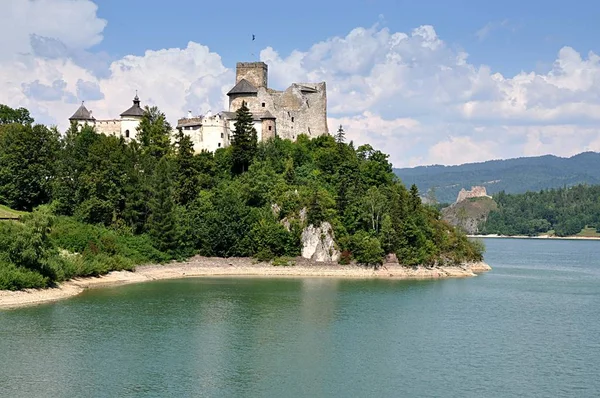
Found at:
(268, 129)
(255, 72)
(475, 192)
(109, 127)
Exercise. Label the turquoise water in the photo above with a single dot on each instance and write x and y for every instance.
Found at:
(531, 327)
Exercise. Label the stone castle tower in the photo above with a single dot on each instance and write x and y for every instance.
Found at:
(300, 109)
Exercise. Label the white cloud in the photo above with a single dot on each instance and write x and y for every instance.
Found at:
(458, 150)
(409, 94)
(71, 22)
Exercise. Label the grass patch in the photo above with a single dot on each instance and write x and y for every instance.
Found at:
(589, 232)
(284, 261)
(8, 213)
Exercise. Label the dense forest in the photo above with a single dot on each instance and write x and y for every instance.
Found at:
(97, 203)
(519, 175)
(564, 211)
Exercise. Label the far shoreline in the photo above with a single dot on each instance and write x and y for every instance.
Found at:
(198, 267)
(495, 236)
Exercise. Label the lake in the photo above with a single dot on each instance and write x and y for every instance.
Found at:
(530, 327)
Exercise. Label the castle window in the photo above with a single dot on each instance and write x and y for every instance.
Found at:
(263, 104)
(219, 145)
(270, 128)
(126, 133)
(221, 135)
(292, 119)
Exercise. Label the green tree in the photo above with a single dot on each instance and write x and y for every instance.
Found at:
(367, 249)
(161, 223)
(154, 133)
(28, 157)
(186, 181)
(374, 205)
(244, 143)
(9, 115)
(340, 136)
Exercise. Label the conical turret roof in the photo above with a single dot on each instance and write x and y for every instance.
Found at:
(82, 114)
(135, 110)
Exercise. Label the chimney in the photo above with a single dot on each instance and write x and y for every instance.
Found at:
(189, 115)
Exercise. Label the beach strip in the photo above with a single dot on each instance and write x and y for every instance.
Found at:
(232, 267)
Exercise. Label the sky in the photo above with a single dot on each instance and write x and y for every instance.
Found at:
(429, 82)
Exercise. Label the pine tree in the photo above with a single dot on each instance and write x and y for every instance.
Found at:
(244, 142)
(415, 199)
(340, 137)
(186, 181)
(162, 222)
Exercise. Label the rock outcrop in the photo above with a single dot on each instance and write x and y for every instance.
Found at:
(469, 215)
(318, 243)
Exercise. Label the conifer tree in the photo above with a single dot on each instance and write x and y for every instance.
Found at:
(244, 142)
(340, 137)
(161, 224)
(186, 184)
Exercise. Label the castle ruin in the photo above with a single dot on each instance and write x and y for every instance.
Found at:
(475, 192)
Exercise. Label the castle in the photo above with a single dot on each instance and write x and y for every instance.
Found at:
(125, 127)
(300, 109)
(475, 192)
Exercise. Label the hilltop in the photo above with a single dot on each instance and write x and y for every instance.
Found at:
(511, 175)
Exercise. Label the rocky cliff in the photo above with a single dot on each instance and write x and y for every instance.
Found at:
(318, 243)
(469, 214)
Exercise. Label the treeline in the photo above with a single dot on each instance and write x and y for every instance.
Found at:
(108, 204)
(513, 176)
(566, 211)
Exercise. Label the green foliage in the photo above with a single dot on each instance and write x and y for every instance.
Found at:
(244, 141)
(162, 222)
(566, 211)
(187, 176)
(283, 262)
(9, 115)
(119, 204)
(367, 249)
(154, 133)
(27, 162)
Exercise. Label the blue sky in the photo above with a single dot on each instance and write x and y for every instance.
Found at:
(521, 35)
(427, 81)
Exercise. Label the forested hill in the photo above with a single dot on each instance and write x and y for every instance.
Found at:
(511, 176)
(561, 212)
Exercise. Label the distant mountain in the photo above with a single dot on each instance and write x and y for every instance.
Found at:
(512, 175)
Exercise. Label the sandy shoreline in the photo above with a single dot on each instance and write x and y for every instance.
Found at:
(535, 237)
(232, 267)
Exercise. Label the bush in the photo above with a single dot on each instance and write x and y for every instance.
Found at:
(283, 261)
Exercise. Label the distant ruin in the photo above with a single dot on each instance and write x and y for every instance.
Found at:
(475, 192)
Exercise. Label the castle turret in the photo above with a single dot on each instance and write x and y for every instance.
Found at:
(82, 115)
(130, 119)
(256, 73)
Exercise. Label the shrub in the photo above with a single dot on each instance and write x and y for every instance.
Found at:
(283, 261)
